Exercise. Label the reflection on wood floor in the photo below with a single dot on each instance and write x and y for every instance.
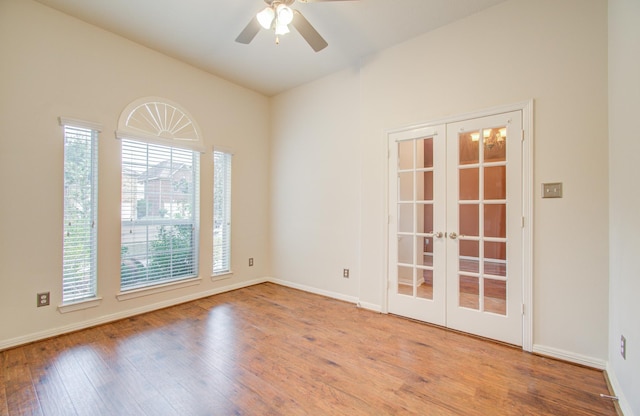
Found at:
(271, 350)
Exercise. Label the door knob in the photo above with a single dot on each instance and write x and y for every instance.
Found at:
(453, 235)
(438, 234)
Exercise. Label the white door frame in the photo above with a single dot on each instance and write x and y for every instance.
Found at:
(527, 205)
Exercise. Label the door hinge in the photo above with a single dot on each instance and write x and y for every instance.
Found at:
(521, 135)
(522, 223)
(523, 309)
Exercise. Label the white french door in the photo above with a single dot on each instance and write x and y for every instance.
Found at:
(455, 229)
(417, 252)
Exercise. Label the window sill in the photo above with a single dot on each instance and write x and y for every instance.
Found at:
(221, 276)
(80, 305)
(146, 291)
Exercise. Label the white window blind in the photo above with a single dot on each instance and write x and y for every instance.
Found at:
(221, 212)
(79, 276)
(159, 214)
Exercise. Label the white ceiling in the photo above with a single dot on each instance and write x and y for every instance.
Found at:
(202, 33)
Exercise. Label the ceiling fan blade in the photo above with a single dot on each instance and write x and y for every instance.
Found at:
(249, 32)
(307, 31)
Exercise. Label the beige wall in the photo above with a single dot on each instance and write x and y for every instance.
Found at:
(53, 65)
(624, 156)
(554, 52)
(315, 179)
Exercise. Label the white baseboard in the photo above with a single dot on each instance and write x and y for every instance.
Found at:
(617, 391)
(334, 295)
(37, 336)
(370, 306)
(351, 299)
(589, 362)
(570, 356)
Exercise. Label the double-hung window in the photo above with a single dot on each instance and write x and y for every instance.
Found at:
(159, 213)
(79, 260)
(221, 212)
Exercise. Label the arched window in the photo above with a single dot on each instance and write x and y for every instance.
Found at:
(160, 121)
(161, 145)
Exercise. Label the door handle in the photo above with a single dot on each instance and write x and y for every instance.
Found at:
(453, 235)
(437, 234)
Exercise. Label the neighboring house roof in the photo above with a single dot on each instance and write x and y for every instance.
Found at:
(162, 170)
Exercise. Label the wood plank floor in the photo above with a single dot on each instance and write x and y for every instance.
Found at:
(271, 350)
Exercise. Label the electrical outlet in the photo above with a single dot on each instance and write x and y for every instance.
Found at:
(345, 273)
(623, 347)
(251, 262)
(43, 299)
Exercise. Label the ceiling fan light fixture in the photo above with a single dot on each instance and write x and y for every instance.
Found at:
(281, 28)
(285, 14)
(265, 17)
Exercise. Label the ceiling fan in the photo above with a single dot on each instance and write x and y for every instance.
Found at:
(277, 16)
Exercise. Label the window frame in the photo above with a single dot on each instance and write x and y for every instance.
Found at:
(167, 230)
(85, 291)
(221, 212)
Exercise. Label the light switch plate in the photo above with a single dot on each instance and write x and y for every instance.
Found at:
(552, 190)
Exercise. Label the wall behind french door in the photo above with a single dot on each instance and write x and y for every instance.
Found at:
(459, 233)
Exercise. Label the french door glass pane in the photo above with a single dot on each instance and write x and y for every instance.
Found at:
(495, 220)
(425, 285)
(405, 249)
(426, 148)
(425, 246)
(495, 144)
(421, 249)
(469, 184)
(469, 289)
(424, 186)
(425, 218)
(469, 216)
(405, 280)
(405, 186)
(495, 296)
(495, 182)
(405, 155)
(469, 150)
(405, 218)
(495, 255)
(469, 256)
